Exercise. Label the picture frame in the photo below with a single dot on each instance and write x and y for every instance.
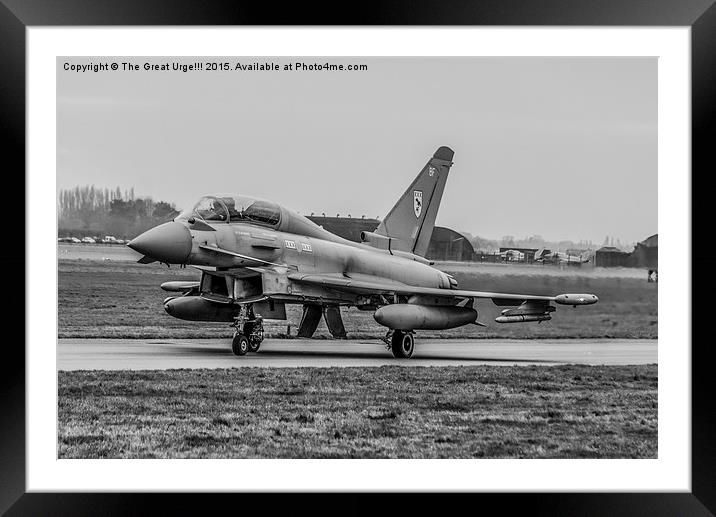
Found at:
(16, 17)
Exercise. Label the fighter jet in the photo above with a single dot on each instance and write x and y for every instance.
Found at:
(557, 257)
(256, 256)
(512, 256)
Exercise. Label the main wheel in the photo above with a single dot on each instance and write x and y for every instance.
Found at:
(402, 344)
(240, 344)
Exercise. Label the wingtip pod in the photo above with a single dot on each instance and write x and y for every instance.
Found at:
(576, 299)
(444, 153)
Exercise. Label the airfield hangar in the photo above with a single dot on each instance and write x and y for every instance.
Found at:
(609, 256)
(645, 255)
(347, 227)
(445, 244)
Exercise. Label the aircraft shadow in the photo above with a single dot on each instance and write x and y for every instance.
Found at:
(387, 355)
(485, 359)
(193, 350)
(323, 354)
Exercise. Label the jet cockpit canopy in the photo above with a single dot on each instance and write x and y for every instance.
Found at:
(233, 209)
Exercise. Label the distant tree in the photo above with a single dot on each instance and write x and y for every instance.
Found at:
(109, 211)
(164, 211)
(479, 243)
(535, 241)
(121, 209)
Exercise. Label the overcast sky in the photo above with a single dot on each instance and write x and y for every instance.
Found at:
(565, 148)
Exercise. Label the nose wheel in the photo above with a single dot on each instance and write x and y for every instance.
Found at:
(248, 333)
(402, 344)
(240, 344)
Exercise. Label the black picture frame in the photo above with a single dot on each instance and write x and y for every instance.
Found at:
(699, 15)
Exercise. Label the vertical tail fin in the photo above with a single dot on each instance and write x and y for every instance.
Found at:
(411, 221)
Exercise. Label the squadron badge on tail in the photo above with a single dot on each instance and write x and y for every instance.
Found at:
(417, 202)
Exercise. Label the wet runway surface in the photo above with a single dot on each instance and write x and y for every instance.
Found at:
(159, 354)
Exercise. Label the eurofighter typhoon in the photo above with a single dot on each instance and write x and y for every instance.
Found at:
(256, 256)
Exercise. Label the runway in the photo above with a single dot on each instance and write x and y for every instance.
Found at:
(161, 354)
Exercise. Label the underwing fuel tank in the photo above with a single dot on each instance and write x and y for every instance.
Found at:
(196, 308)
(408, 316)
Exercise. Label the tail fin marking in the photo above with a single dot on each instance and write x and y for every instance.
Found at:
(410, 222)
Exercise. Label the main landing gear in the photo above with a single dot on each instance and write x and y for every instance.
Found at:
(401, 343)
(248, 333)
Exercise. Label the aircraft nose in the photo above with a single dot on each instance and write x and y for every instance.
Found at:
(168, 242)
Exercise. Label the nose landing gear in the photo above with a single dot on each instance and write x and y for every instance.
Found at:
(248, 332)
(254, 330)
(240, 344)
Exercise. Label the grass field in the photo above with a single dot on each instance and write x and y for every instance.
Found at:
(386, 412)
(123, 299)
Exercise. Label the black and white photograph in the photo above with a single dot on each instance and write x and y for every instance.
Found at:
(357, 257)
(330, 253)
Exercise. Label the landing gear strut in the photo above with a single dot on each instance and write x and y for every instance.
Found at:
(254, 330)
(248, 332)
(402, 343)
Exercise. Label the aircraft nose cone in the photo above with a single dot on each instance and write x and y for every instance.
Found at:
(168, 242)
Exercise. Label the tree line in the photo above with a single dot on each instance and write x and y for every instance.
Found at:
(537, 241)
(89, 211)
